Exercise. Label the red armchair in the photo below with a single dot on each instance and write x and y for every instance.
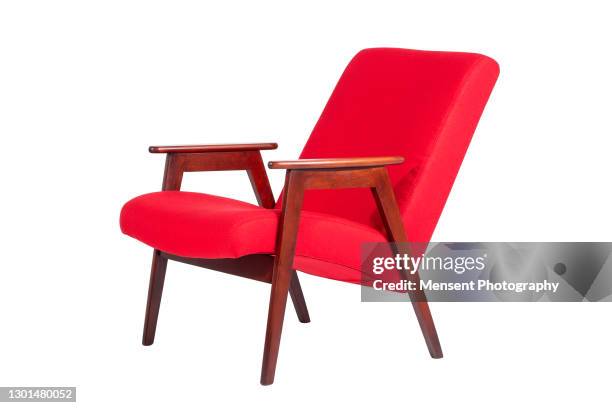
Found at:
(378, 166)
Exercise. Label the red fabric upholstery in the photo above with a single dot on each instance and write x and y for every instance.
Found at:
(199, 225)
(422, 105)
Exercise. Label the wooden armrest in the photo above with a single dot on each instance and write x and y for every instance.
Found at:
(213, 148)
(356, 162)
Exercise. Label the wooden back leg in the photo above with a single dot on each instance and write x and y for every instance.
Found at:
(299, 303)
(385, 200)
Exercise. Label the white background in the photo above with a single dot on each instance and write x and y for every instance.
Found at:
(86, 86)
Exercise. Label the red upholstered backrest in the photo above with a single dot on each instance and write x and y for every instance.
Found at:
(422, 105)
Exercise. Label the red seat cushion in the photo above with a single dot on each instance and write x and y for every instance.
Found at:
(200, 225)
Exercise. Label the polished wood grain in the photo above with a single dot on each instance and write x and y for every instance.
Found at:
(177, 164)
(299, 303)
(260, 183)
(297, 180)
(394, 226)
(213, 148)
(336, 163)
(156, 286)
(277, 269)
(257, 267)
(281, 276)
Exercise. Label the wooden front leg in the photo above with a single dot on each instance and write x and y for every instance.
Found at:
(282, 273)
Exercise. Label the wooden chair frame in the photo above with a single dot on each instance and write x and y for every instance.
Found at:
(278, 269)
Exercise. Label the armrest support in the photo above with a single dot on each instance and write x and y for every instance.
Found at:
(341, 173)
(355, 162)
(182, 159)
(213, 148)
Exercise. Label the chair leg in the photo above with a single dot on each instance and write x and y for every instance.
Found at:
(423, 314)
(276, 315)
(387, 206)
(297, 296)
(421, 309)
(282, 274)
(156, 286)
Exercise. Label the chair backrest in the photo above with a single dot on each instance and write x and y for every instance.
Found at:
(423, 105)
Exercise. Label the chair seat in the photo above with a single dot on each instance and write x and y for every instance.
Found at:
(197, 225)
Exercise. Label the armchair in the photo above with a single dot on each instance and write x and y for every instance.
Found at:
(389, 142)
